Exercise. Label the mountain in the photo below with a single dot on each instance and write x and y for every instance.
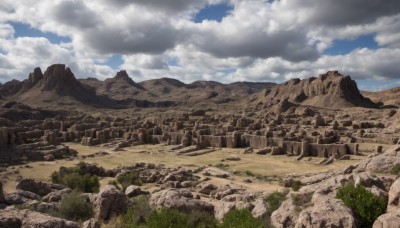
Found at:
(10, 88)
(390, 97)
(330, 90)
(120, 87)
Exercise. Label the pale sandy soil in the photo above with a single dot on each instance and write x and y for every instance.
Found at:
(267, 169)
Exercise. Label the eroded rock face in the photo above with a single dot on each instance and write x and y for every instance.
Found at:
(108, 202)
(388, 220)
(326, 212)
(180, 199)
(37, 187)
(25, 218)
(394, 197)
(2, 200)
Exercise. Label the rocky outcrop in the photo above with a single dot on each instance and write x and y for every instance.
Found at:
(25, 218)
(328, 90)
(388, 220)
(180, 199)
(37, 187)
(109, 202)
(394, 197)
(326, 212)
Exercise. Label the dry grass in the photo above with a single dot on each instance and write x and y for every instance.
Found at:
(271, 168)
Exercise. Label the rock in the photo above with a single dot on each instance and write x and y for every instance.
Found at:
(326, 212)
(388, 220)
(2, 199)
(38, 187)
(133, 190)
(260, 209)
(15, 199)
(29, 195)
(91, 223)
(394, 197)
(223, 207)
(108, 202)
(56, 195)
(248, 150)
(181, 199)
(285, 216)
(207, 188)
(28, 218)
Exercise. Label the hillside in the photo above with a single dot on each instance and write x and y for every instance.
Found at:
(330, 90)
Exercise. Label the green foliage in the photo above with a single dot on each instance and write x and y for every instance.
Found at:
(249, 173)
(240, 219)
(138, 214)
(296, 186)
(365, 204)
(168, 218)
(115, 183)
(74, 178)
(274, 200)
(75, 207)
(129, 178)
(395, 169)
(171, 218)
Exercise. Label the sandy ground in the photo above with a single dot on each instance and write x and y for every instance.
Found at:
(265, 170)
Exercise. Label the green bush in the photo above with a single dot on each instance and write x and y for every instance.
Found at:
(138, 214)
(296, 186)
(365, 204)
(274, 200)
(249, 173)
(115, 183)
(75, 207)
(171, 218)
(131, 177)
(74, 179)
(240, 219)
(168, 218)
(395, 169)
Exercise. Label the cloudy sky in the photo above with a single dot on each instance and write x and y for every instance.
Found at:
(221, 40)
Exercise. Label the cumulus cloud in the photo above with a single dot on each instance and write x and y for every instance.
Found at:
(257, 40)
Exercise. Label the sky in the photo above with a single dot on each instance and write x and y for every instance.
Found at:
(220, 40)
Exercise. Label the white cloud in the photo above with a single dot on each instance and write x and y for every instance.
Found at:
(258, 40)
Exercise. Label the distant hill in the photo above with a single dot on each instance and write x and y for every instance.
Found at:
(330, 90)
(390, 97)
(121, 86)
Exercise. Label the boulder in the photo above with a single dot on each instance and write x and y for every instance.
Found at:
(56, 195)
(260, 209)
(2, 199)
(180, 199)
(91, 223)
(28, 195)
(38, 187)
(207, 188)
(108, 202)
(326, 212)
(388, 220)
(27, 218)
(133, 190)
(394, 197)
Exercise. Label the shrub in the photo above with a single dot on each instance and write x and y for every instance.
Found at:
(240, 219)
(73, 178)
(395, 169)
(75, 207)
(249, 173)
(115, 183)
(201, 219)
(296, 186)
(365, 204)
(168, 218)
(274, 200)
(138, 214)
(126, 179)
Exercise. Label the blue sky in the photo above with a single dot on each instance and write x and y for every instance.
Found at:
(222, 40)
